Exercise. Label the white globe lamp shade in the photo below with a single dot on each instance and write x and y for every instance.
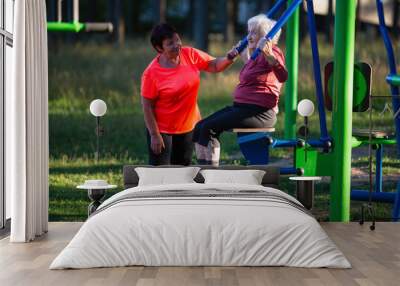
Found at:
(98, 107)
(305, 107)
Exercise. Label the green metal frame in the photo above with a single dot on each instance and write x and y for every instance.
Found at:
(316, 163)
(345, 20)
(362, 79)
(337, 163)
(65, 27)
(357, 141)
(292, 63)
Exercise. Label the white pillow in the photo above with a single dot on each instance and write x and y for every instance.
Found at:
(249, 177)
(166, 176)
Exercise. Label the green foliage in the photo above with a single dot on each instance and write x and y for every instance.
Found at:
(82, 72)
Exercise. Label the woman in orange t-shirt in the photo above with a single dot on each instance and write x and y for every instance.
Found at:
(169, 88)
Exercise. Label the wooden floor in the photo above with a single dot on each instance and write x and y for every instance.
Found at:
(375, 257)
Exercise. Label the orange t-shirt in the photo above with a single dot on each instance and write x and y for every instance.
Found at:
(175, 90)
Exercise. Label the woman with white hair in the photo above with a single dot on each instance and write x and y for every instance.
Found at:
(256, 97)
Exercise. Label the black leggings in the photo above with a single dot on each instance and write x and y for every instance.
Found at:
(178, 149)
(240, 115)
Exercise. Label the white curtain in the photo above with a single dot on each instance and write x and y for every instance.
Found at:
(27, 124)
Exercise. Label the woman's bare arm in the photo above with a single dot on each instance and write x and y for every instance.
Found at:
(157, 143)
(219, 64)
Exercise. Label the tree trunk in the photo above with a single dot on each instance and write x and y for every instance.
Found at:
(303, 23)
(69, 11)
(235, 13)
(92, 11)
(136, 9)
(263, 6)
(200, 24)
(329, 22)
(115, 15)
(230, 20)
(52, 10)
(163, 11)
(396, 12)
(120, 23)
(189, 30)
(70, 6)
(160, 11)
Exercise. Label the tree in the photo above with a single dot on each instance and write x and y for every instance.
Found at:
(329, 23)
(92, 11)
(134, 10)
(396, 12)
(200, 23)
(160, 11)
(116, 18)
(263, 5)
(230, 20)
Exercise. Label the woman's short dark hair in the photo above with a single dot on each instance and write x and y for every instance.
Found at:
(160, 33)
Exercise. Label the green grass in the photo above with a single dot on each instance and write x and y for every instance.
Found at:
(82, 72)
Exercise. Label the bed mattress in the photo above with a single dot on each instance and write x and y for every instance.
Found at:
(201, 225)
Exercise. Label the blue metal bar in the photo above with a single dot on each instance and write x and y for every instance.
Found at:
(384, 197)
(316, 143)
(317, 70)
(251, 137)
(396, 206)
(281, 143)
(244, 42)
(392, 67)
(288, 171)
(386, 38)
(276, 143)
(282, 20)
(378, 174)
(393, 79)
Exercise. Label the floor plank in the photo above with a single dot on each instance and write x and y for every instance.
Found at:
(375, 257)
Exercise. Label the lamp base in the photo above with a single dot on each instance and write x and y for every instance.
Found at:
(95, 195)
(305, 193)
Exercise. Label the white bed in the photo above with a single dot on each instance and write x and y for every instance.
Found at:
(245, 225)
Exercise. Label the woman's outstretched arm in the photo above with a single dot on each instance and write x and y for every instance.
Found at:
(219, 64)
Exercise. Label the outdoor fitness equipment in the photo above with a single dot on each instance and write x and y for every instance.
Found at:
(329, 156)
(377, 141)
(75, 25)
(374, 139)
(255, 146)
(362, 100)
(393, 79)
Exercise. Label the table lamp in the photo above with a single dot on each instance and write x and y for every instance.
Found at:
(305, 108)
(98, 108)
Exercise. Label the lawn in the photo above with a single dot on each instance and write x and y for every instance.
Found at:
(79, 73)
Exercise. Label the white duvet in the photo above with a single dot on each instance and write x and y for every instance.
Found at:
(183, 231)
